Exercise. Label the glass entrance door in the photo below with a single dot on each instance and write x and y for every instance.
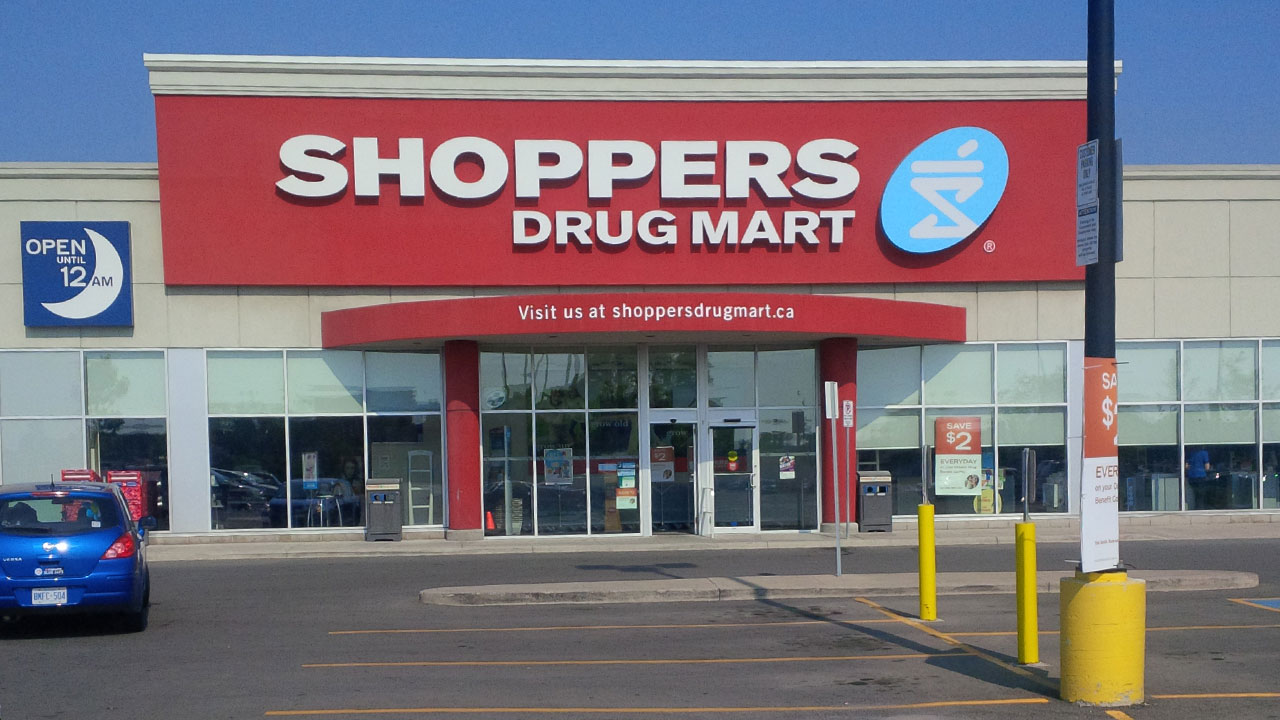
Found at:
(673, 472)
(734, 478)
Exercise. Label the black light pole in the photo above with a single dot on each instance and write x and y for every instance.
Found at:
(1100, 277)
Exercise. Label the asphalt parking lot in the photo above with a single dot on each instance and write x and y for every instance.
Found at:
(349, 638)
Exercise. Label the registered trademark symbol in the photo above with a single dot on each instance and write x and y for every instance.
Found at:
(989, 246)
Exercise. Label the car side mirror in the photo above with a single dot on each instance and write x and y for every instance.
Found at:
(147, 523)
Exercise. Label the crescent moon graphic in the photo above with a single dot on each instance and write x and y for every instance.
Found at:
(102, 290)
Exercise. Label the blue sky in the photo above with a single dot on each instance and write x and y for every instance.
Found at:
(1201, 82)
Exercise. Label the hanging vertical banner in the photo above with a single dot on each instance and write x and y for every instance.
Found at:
(1100, 470)
(957, 467)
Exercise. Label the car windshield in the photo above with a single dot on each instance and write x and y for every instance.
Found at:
(56, 515)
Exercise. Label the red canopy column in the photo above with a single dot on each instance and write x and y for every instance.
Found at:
(838, 363)
(462, 420)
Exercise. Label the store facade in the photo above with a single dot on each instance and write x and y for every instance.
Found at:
(602, 298)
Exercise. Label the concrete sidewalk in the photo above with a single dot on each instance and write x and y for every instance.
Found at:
(163, 547)
(790, 587)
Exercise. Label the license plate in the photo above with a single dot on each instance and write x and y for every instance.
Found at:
(49, 596)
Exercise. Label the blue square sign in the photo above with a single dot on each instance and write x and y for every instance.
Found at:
(76, 274)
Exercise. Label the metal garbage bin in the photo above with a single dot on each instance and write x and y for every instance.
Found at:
(875, 501)
(383, 515)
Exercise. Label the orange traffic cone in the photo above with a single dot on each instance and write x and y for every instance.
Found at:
(488, 520)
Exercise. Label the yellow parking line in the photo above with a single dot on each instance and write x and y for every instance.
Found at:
(674, 661)
(969, 649)
(1118, 715)
(670, 626)
(696, 711)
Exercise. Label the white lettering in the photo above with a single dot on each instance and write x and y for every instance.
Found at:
(444, 167)
(602, 171)
(573, 224)
(296, 154)
(838, 219)
(370, 167)
(530, 172)
(664, 234)
(761, 227)
(678, 167)
(739, 172)
(724, 230)
(801, 224)
(812, 159)
(520, 221)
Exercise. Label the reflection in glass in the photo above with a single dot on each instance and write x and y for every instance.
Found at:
(507, 440)
(615, 473)
(562, 478)
(672, 468)
(1051, 478)
(788, 470)
(1219, 370)
(246, 382)
(560, 379)
(134, 444)
(124, 383)
(1031, 373)
(326, 469)
(402, 382)
(889, 376)
(325, 381)
(1148, 371)
(406, 448)
(788, 378)
(38, 450)
(673, 377)
(40, 384)
(957, 374)
(612, 378)
(1150, 470)
(506, 379)
(246, 457)
(733, 471)
(731, 378)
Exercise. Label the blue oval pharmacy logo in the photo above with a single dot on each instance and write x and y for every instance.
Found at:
(944, 190)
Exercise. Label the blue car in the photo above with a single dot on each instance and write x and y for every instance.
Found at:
(72, 548)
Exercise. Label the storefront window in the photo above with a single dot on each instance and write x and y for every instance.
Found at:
(326, 381)
(246, 475)
(889, 377)
(788, 378)
(326, 473)
(957, 374)
(57, 391)
(1270, 493)
(1031, 373)
(615, 472)
(1221, 455)
(406, 449)
(246, 383)
(1148, 372)
(560, 379)
(38, 450)
(561, 440)
(1150, 469)
(673, 377)
(612, 378)
(890, 440)
(1045, 431)
(506, 380)
(788, 469)
(1219, 371)
(508, 473)
(731, 378)
(134, 444)
(124, 384)
(403, 382)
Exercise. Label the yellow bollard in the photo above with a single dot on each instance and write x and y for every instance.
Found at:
(1028, 593)
(1103, 639)
(928, 565)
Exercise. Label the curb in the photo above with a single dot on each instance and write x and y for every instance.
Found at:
(792, 587)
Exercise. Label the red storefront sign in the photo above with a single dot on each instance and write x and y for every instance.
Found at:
(414, 192)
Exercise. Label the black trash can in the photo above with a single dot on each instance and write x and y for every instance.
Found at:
(383, 514)
(875, 501)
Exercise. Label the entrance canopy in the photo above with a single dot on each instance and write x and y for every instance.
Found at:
(640, 317)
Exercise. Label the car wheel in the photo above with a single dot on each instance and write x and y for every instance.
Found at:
(136, 620)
